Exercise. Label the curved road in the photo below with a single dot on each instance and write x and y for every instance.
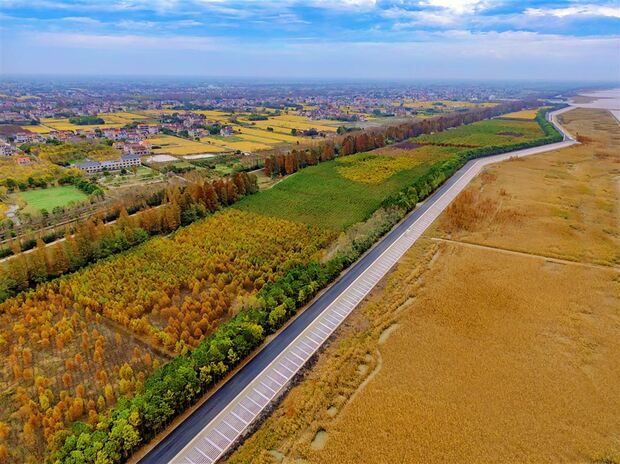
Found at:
(210, 431)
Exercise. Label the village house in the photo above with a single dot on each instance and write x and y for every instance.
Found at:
(226, 131)
(23, 137)
(6, 149)
(138, 149)
(124, 162)
(24, 161)
(111, 133)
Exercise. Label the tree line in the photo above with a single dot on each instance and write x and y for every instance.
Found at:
(94, 240)
(371, 139)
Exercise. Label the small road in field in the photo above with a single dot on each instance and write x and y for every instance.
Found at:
(217, 424)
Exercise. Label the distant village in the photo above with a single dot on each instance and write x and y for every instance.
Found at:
(131, 142)
(23, 105)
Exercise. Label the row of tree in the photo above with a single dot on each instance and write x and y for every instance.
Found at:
(371, 139)
(94, 240)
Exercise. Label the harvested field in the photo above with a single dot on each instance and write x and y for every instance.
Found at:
(478, 354)
(168, 144)
(275, 137)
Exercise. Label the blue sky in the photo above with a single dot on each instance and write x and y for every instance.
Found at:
(353, 39)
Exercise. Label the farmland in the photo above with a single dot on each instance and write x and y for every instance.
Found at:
(490, 132)
(49, 198)
(323, 196)
(179, 146)
(112, 120)
(284, 123)
(495, 339)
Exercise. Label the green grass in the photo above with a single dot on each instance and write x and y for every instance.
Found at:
(319, 195)
(489, 132)
(49, 198)
(223, 169)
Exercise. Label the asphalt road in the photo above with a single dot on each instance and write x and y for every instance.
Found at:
(177, 440)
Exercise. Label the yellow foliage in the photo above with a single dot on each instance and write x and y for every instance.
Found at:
(371, 169)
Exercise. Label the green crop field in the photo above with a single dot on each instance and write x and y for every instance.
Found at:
(323, 195)
(36, 200)
(489, 132)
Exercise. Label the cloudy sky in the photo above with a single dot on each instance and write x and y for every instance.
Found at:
(352, 39)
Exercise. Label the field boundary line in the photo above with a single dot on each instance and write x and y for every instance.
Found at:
(526, 254)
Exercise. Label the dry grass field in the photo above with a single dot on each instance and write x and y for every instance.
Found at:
(471, 352)
(529, 115)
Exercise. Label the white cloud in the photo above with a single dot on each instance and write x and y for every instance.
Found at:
(132, 24)
(435, 13)
(128, 42)
(82, 20)
(578, 10)
(458, 7)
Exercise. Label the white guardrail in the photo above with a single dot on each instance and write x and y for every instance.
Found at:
(213, 441)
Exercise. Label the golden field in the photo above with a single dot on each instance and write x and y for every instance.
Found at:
(275, 136)
(179, 146)
(495, 339)
(112, 120)
(372, 169)
(37, 129)
(524, 114)
(246, 145)
(291, 121)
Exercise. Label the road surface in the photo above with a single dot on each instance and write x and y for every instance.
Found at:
(210, 431)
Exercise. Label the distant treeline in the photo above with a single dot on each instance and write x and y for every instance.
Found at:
(371, 139)
(86, 120)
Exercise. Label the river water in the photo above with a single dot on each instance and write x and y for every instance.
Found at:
(604, 99)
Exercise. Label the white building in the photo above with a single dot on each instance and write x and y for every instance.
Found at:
(124, 162)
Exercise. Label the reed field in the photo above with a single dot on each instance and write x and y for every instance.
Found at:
(495, 339)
